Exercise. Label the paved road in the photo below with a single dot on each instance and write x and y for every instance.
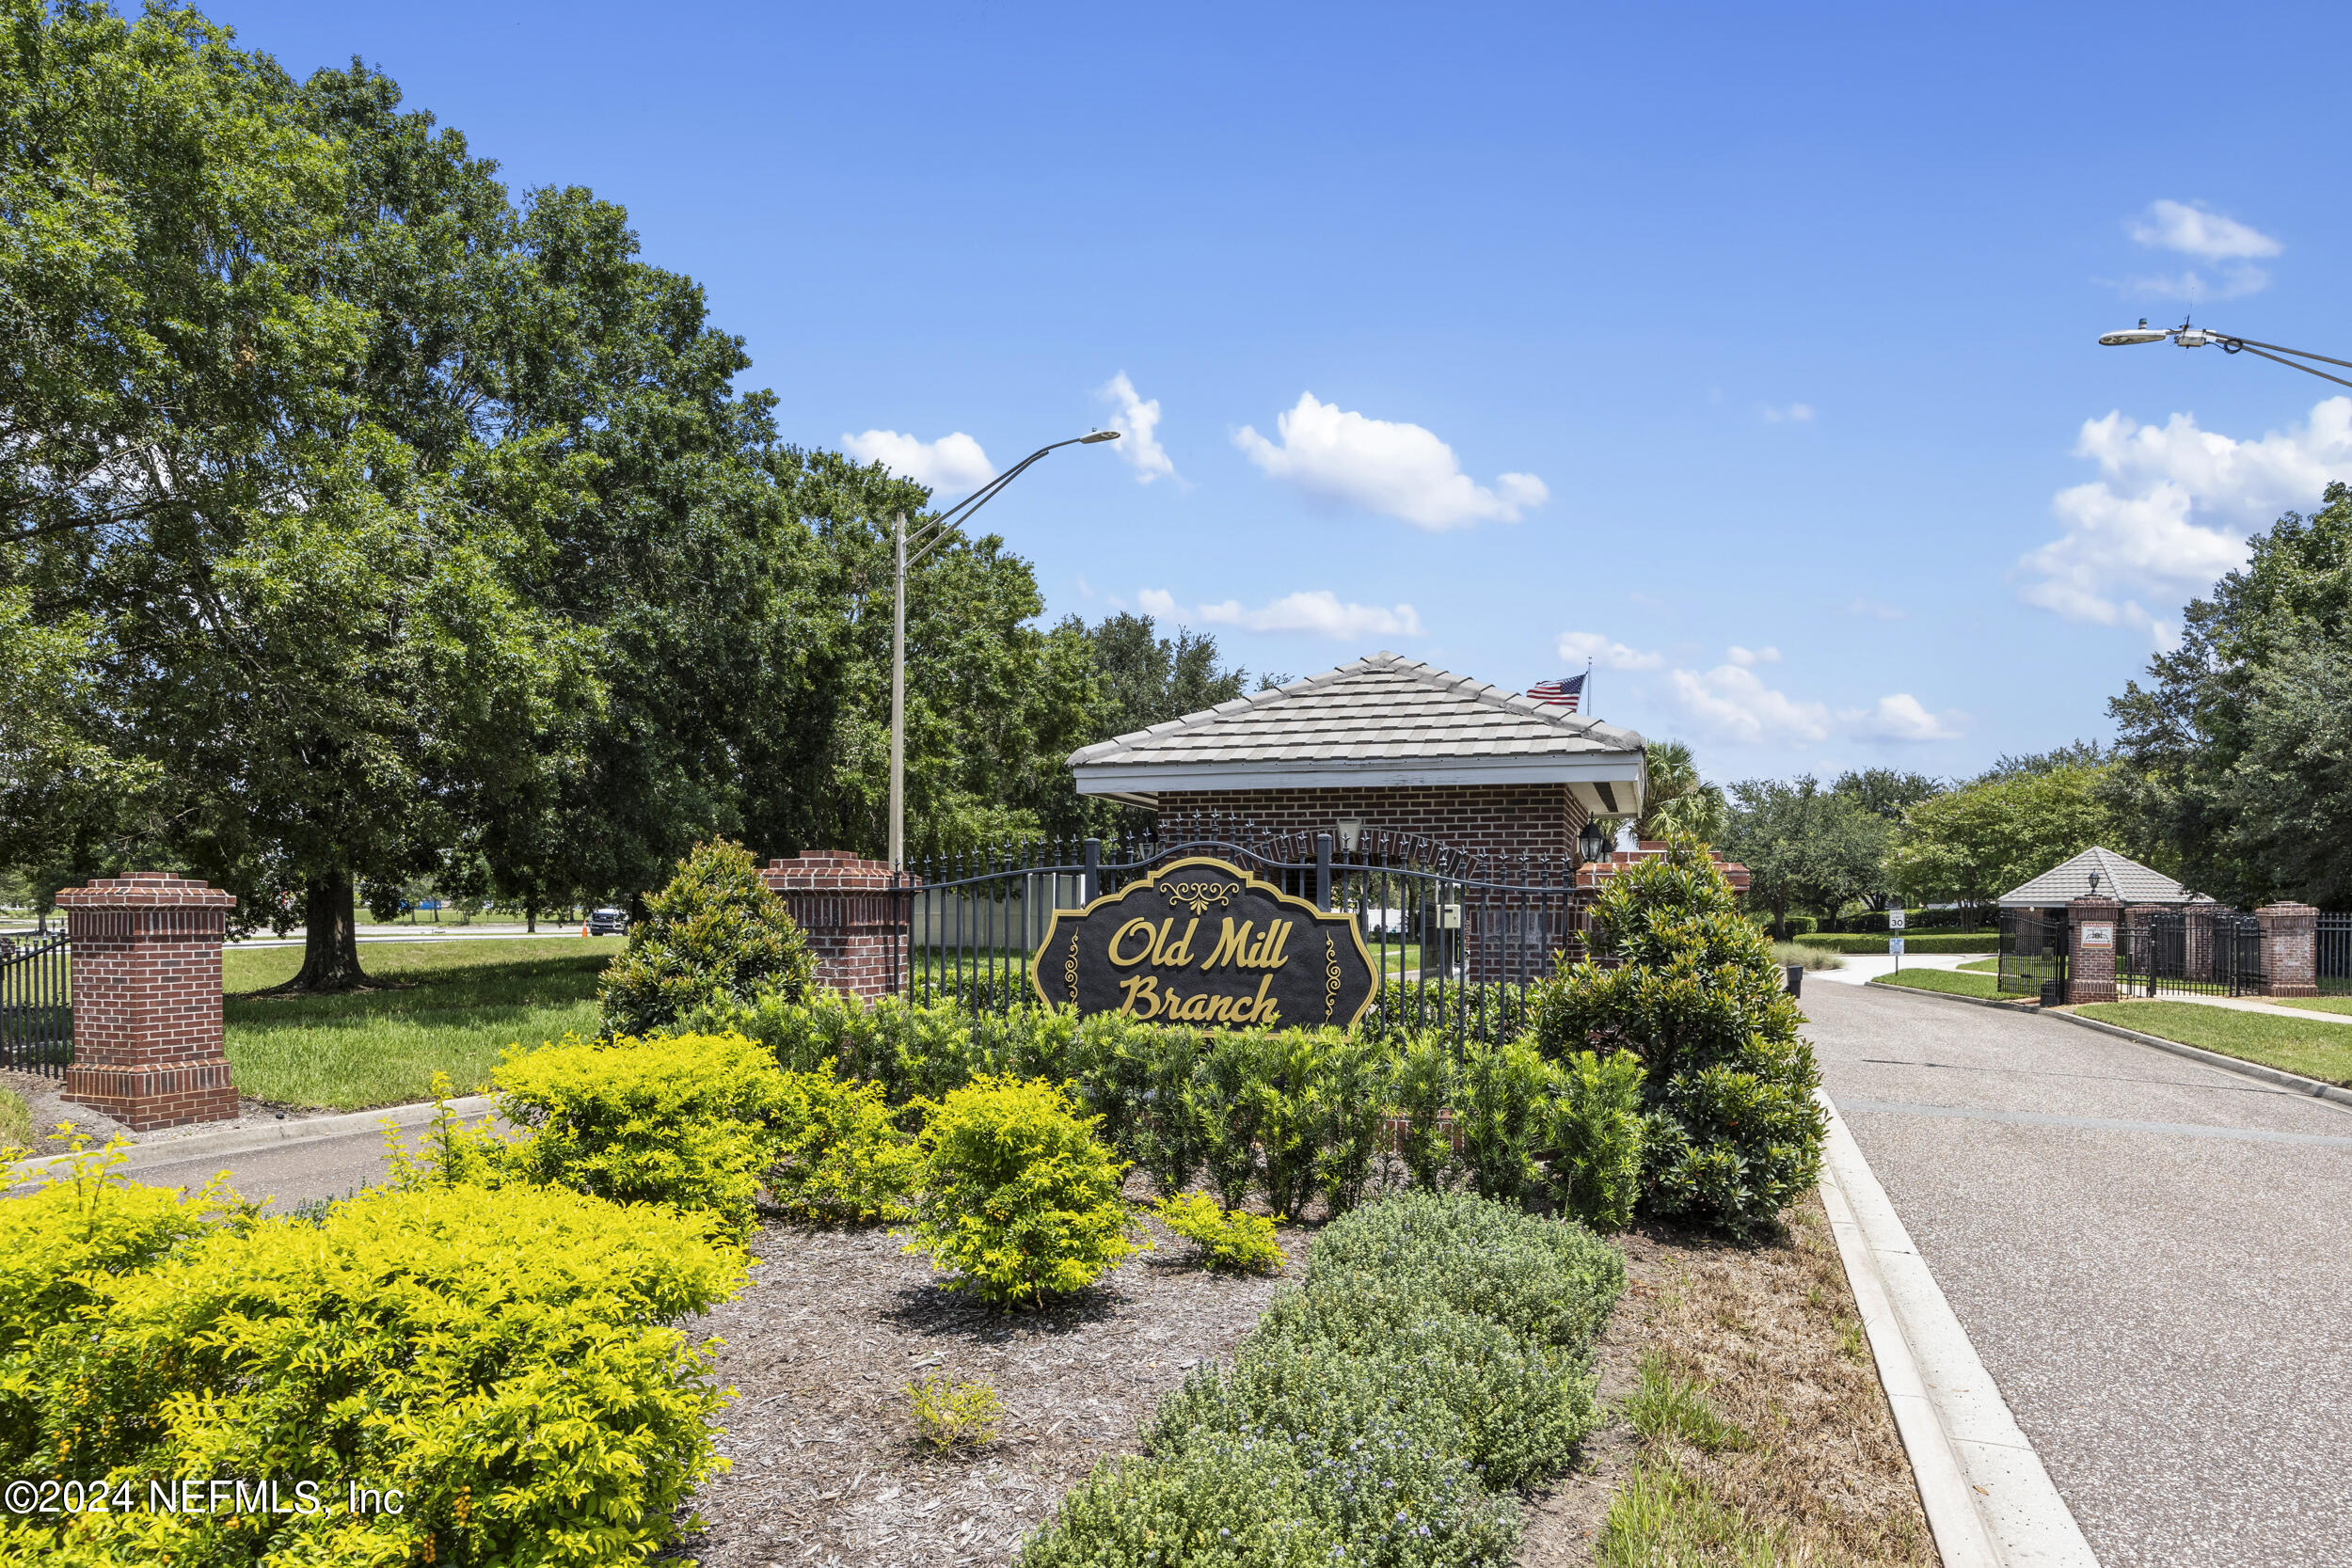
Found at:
(2149, 1254)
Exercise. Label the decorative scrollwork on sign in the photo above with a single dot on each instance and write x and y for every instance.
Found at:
(1331, 978)
(1070, 969)
(1198, 896)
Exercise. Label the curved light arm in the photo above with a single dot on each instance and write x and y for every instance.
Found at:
(2198, 336)
(921, 541)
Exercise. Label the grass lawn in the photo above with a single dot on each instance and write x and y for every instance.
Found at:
(1956, 982)
(448, 1006)
(2321, 1050)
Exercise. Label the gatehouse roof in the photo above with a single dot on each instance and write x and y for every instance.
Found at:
(1385, 721)
(2120, 879)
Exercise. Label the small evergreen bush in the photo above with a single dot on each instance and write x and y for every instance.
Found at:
(839, 1157)
(1017, 1199)
(716, 934)
(1732, 1135)
(1502, 1107)
(1226, 1239)
(508, 1360)
(1424, 1094)
(951, 1415)
(1596, 1139)
(692, 1120)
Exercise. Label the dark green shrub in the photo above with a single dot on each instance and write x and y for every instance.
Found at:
(1170, 1139)
(1424, 1094)
(1232, 1094)
(1351, 1138)
(1596, 1139)
(717, 933)
(1223, 1502)
(1502, 1107)
(1733, 1134)
(1017, 1199)
(508, 1360)
(1291, 1065)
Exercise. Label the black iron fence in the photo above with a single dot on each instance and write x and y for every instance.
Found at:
(2334, 954)
(1455, 938)
(2201, 952)
(2032, 960)
(35, 1003)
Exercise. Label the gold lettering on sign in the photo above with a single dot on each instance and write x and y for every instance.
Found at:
(1178, 953)
(1234, 947)
(1118, 939)
(1143, 998)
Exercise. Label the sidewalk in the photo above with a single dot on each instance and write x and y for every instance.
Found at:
(1861, 968)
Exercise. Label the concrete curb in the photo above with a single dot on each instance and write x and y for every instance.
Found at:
(2279, 1077)
(276, 1134)
(1989, 1501)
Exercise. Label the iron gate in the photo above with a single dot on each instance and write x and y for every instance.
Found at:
(2200, 952)
(1455, 938)
(2032, 960)
(36, 1004)
(2333, 953)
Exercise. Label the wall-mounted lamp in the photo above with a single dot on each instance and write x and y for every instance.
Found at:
(1595, 841)
(1351, 833)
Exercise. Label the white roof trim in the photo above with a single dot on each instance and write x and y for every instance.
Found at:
(1626, 767)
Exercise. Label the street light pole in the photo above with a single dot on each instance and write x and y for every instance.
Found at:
(925, 539)
(2199, 337)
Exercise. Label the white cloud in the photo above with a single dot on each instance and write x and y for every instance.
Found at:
(2192, 229)
(1318, 612)
(1591, 645)
(1135, 419)
(1733, 703)
(2172, 509)
(1795, 413)
(1748, 658)
(952, 467)
(1901, 717)
(1401, 470)
(1875, 609)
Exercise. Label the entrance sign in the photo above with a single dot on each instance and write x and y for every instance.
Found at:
(2099, 936)
(1201, 940)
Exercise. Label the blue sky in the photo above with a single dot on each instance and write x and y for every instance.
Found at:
(1748, 350)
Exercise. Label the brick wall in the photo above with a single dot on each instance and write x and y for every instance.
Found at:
(2290, 949)
(1497, 822)
(146, 1021)
(843, 903)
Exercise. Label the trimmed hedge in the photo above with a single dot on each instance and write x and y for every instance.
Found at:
(509, 1361)
(1937, 942)
(1437, 1356)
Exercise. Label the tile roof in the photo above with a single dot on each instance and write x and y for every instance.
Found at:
(1380, 709)
(2125, 880)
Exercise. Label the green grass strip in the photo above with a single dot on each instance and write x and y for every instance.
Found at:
(2315, 1050)
(1954, 982)
(447, 1007)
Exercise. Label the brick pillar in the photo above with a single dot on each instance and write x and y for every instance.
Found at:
(147, 1044)
(2290, 949)
(844, 904)
(2091, 949)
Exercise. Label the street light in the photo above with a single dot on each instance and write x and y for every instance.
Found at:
(2198, 336)
(925, 539)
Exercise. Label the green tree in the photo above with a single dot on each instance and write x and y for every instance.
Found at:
(1805, 848)
(2237, 757)
(717, 935)
(1973, 844)
(1679, 800)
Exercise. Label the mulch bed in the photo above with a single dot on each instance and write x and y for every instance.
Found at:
(828, 1468)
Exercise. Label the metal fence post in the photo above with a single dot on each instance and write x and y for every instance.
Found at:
(1323, 871)
(1092, 887)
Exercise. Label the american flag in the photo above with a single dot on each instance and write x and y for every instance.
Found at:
(1559, 693)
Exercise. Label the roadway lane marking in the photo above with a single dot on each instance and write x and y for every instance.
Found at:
(2094, 1124)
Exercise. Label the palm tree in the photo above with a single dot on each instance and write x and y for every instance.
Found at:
(1679, 800)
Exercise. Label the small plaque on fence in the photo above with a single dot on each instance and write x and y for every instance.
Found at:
(1201, 940)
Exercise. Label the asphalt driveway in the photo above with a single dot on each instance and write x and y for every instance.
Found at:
(2149, 1256)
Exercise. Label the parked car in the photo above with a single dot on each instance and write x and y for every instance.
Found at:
(608, 923)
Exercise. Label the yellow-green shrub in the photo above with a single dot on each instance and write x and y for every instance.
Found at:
(1019, 1200)
(690, 1121)
(839, 1155)
(507, 1360)
(1231, 1239)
